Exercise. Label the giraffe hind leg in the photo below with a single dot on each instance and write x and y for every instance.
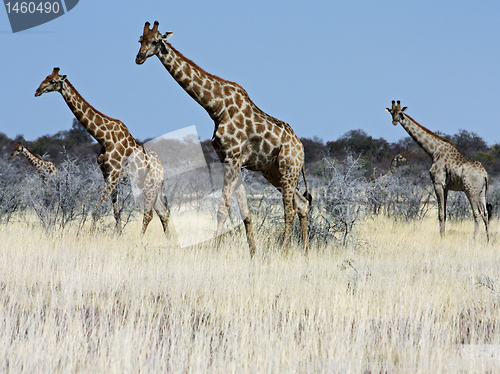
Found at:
(241, 196)
(303, 203)
(480, 210)
(150, 196)
(289, 204)
(162, 211)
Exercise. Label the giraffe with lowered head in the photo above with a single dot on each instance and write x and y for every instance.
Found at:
(120, 155)
(43, 167)
(244, 136)
(450, 170)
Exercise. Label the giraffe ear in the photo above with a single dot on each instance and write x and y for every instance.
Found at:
(404, 108)
(63, 77)
(387, 110)
(167, 35)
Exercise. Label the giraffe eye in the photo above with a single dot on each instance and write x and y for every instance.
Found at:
(154, 42)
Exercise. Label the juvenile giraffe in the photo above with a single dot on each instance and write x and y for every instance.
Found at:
(43, 167)
(381, 194)
(244, 136)
(394, 163)
(450, 170)
(120, 153)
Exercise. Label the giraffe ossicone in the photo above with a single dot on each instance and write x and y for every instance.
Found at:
(450, 170)
(121, 155)
(244, 136)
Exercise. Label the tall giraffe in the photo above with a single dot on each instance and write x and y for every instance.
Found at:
(244, 136)
(43, 167)
(450, 170)
(120, 153)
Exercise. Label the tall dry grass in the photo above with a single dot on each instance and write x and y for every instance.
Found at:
(399, 299)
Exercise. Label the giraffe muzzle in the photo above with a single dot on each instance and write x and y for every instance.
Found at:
(139, 60)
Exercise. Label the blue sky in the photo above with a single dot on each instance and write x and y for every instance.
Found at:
(325, 67)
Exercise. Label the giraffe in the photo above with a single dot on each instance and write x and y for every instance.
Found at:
(450, 170)
(244, 137)
(380, 192)
(43, 167)
(120, 154)
(394, 163)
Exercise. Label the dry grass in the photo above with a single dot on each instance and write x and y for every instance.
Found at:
(401, 300)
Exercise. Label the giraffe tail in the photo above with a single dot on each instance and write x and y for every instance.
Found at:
(307, 195)
(489, 207)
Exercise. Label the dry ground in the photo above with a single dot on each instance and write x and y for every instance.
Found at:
(400, 300)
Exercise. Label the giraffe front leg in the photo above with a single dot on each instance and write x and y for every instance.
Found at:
(290, 210)
(441, 195)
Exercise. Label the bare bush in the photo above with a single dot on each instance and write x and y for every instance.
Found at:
(345, 198)
(11, 180)
(68, 197)
(458, 206)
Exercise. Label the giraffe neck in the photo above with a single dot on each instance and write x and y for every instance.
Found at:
(34, 160)
(206, 89)
(95, 122)
(394, 163)
(426, 139)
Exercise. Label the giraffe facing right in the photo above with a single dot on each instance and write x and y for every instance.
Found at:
(45, 168)
(450, 170)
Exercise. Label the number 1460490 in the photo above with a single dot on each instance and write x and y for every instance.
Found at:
(33, 7)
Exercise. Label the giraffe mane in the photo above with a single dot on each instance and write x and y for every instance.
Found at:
(213, 76)
(192, 63)
(90, 106)
(429, 131)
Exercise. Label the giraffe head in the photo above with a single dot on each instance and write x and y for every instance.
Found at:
(17, 150)
(396, 112)
(152, 42)
(53, 82)
(400, 158)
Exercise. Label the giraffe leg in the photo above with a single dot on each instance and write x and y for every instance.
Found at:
(109, 189)
(479, 210)
(441, 194)
(484, 211)
(116, 212)
(294, 204)
(231, 175)
(161, 209)
(148, 216)
(241, 196)
(290, 211)
(163, 213)
(150, 193)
